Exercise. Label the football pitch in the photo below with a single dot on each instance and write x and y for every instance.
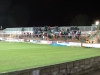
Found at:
(18, 56)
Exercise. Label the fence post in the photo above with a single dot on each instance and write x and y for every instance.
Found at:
(96, 39)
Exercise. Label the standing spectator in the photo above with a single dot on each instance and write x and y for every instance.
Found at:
(79, 33)
(76, 35)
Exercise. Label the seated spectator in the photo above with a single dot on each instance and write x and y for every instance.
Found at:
(49, 35)
(69, 35)
(68, 30)
(65, 33)
(56, 28)
(75, 28)
(78, 28)
(62, 32)
(71, 28)
(45, 28)
(49, 30)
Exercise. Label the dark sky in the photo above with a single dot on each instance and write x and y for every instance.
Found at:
(27, 13)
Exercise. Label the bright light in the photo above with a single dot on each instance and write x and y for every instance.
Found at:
(97, 23)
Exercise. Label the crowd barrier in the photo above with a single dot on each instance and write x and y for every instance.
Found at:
(13, 40)
(55, 43)
(91, 45)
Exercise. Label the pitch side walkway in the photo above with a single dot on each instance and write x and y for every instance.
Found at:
(96, 72)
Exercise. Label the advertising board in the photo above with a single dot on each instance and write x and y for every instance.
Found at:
(91, 45)
(75, 44)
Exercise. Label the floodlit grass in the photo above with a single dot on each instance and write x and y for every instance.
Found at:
(17, 56)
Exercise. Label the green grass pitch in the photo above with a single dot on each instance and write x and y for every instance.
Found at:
(18, 56)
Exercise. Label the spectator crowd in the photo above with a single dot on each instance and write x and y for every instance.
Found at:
(54, 32)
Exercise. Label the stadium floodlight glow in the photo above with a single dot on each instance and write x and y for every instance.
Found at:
(97, 23)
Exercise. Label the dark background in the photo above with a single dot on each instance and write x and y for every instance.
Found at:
(28, 13)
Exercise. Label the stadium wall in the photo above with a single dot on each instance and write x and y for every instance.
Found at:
(69, 68)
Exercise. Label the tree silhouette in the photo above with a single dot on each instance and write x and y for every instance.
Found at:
(80, 20)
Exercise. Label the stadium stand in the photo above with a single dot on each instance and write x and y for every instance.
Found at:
(70, 33)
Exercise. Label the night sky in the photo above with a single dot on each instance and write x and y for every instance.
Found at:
(29, 13)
